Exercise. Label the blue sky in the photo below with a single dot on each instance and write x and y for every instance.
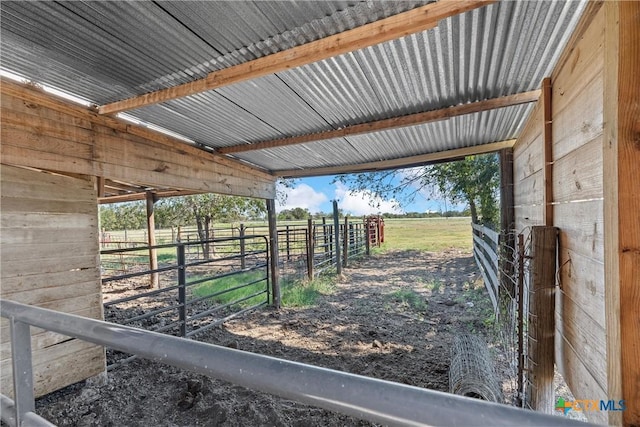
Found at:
(317, 193)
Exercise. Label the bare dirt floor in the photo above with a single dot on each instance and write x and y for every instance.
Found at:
(391, 316)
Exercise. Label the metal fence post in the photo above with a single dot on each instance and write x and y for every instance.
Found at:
(310, 248)
(288, 244)
(22, 369)
(182, 291)
(243, 261)
(324, 235)
(336, 226)
(345, 241)
(367, 237)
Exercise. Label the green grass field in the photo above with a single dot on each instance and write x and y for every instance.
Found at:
(294, 293)
(428, 234)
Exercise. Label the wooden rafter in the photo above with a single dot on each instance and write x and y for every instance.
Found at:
(393, 27)
(403, 162)
(142, 195)
(392, 123)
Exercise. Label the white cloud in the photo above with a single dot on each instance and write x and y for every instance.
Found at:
(360, 203)
(302, 196)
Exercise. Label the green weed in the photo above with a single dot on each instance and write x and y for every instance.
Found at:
(409, 298)
(304, 293)
(255, 282)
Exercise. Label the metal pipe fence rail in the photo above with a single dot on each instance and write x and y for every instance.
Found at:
(303, 249)
(485, 252)
(196, 293)
(367, 398)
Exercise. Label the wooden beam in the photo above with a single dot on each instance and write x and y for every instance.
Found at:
(43, 132)
(547, 140)
(151, 239)
(383, 30)
(101, 181)
(274, 268)
(392, 123)
(141, 196)
(403, 162)
(621, 180)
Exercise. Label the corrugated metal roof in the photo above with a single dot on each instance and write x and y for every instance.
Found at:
(107, 51)
(462, 131)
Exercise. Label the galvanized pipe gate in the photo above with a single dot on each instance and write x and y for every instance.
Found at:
(363, 397)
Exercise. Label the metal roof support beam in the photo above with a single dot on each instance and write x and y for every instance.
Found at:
(393, 27)
(405, 162)
(392, 123)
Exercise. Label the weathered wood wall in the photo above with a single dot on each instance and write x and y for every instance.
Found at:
(49, 258)
(577, 198)
(44, 132)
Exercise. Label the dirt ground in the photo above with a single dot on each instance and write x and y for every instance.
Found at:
(392, 316)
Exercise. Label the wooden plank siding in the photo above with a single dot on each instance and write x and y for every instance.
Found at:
(577, 198)
(49, 258)
(43, 132)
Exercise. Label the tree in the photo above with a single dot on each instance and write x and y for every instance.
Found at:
(473, 180)
(123, 216)
(294, 214)
(205, 209)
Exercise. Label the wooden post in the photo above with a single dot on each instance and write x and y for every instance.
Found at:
(548, 151)
(542, 275)
(345, 242)
(243, 261)
(507, 219)
(100, 183)
(336, 240)
(310, 248)
(273, 253)
(621, 181)
(151, 238)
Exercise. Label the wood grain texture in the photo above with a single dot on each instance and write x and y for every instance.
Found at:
(46, 133)
(578, 175)
(576, 195)
(547, 150)
(621, 156)
(49, 258)
(582, 228)
(542, 318)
